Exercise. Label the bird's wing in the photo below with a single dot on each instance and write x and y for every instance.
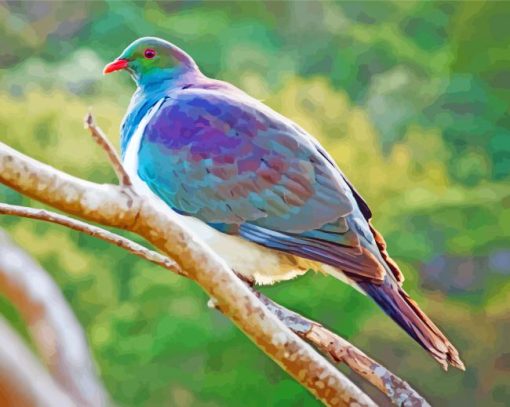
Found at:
(226, 158)
(222, 159)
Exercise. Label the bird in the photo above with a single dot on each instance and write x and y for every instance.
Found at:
(255, 186)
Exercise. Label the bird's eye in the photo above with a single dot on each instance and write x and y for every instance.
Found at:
(149, 53)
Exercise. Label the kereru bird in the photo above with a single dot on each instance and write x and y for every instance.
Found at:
(260, 190)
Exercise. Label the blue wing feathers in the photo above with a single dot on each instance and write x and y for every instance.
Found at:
(231, 161)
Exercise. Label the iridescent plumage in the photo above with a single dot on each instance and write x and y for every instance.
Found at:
(216, 155)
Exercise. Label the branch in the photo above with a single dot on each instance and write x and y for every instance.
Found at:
(23, 381)
(331, 344)
(114, 206)
(56, 333)
(397, 390)
(101, 139)
(94, 231)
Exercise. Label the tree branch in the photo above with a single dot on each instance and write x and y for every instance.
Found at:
(337, 348)
(114, 206)
(94, 231)
(396, 389)
(57, 334)
(23, 381)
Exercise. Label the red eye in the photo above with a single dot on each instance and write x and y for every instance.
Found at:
(149, 53)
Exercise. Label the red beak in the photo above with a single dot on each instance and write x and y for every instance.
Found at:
(116, 65)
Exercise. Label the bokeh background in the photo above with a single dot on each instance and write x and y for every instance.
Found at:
(411, 98)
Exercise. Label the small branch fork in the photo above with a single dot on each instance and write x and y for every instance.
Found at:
(152, 226)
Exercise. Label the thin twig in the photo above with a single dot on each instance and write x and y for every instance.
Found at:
(101, 139)
(94, 231)
(55, 331)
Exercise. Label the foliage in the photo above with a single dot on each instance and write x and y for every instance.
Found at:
(410, 98)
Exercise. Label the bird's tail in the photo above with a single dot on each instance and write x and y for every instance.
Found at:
(395, 302)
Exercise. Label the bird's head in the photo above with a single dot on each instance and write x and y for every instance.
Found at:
(151, 60)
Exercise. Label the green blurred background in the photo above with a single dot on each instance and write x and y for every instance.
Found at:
(412, 99)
